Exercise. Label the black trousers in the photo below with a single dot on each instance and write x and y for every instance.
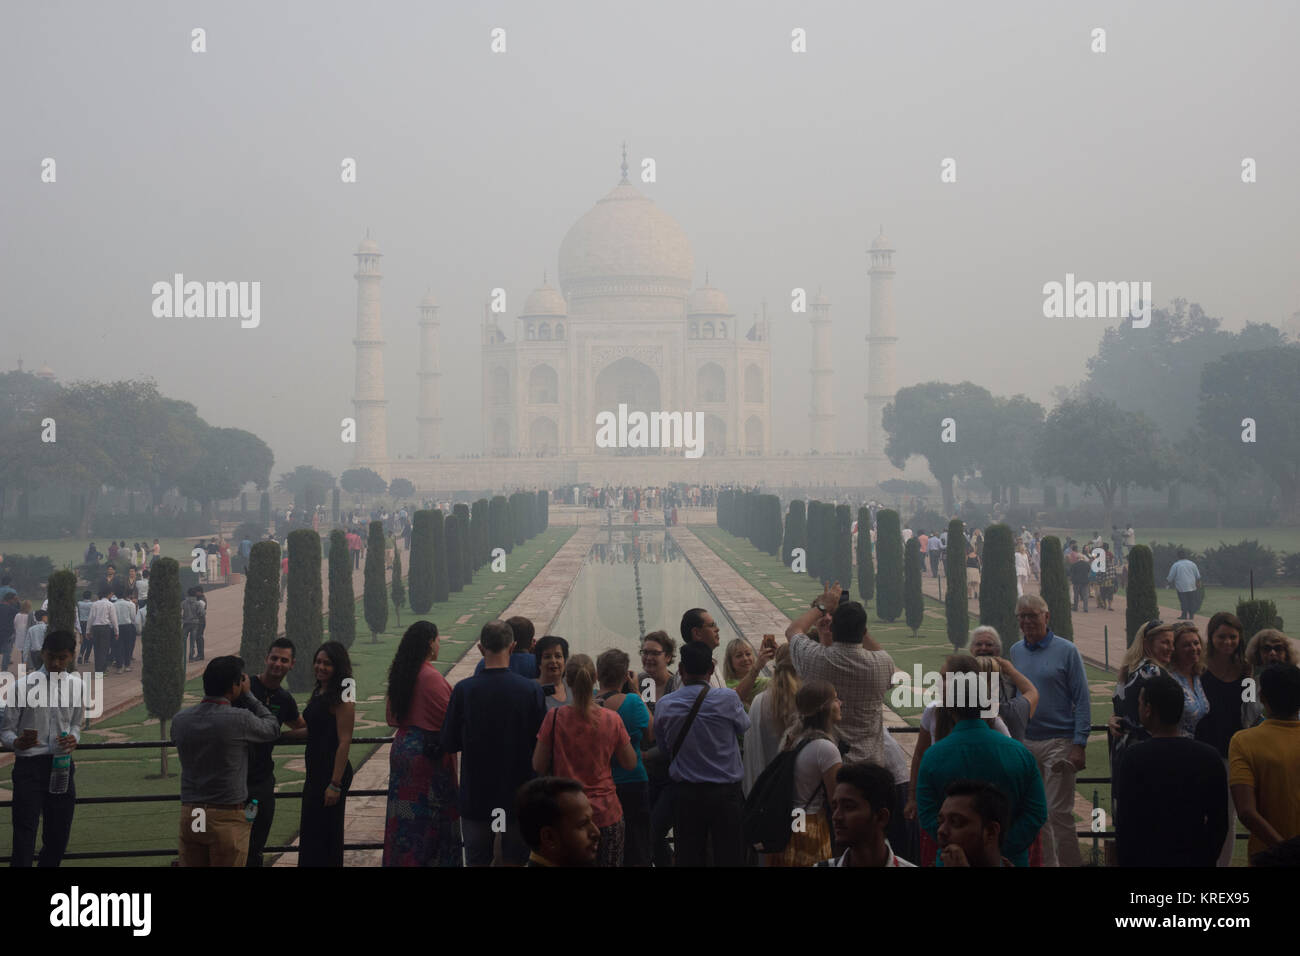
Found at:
(704, 812)
(103, 635)
(264, 793)
(1186, 601)
(32, 801)
(635, 798)
(125, 644)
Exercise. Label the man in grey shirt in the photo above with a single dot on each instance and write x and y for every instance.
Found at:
(212, 739)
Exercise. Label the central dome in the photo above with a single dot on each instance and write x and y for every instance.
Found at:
(625, 236)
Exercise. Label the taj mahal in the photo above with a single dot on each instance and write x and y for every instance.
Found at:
(626, 327)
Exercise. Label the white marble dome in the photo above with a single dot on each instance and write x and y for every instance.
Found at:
(880, 242)
(625, 236)
(545, 300)
(369, 246)
(708, 301)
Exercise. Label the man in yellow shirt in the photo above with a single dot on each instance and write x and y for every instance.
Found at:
(1264, 763)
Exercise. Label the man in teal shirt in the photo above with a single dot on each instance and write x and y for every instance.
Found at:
(975, 751)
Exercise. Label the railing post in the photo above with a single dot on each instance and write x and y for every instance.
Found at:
(1105, 636)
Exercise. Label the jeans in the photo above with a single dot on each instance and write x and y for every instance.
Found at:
(707, 811)
(264, 792)
(480, 842)
(1060, 843)
(32, 800)
(125, 644)
(194, 641)
(635, 798)
(1080, 594)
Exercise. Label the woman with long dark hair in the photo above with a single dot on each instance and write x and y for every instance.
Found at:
(1225, 683)
(330, 714)
(423, 821)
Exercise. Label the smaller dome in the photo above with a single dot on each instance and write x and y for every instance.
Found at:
(880, 242)
(707, 300)
(820, 299)
(546, 300)
(45, 372)
(369, 245)
(428, 302)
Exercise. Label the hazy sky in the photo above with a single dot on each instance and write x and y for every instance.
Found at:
(780, 167)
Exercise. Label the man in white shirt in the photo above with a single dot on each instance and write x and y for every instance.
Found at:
(35, 640)
(37, 734)
(864, 803)
(125, 645)
(103, 628)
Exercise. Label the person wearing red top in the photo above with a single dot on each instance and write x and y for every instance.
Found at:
(579, 741)
(423, 820)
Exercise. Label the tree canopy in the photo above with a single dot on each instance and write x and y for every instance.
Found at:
(915, 425)
(362, 481)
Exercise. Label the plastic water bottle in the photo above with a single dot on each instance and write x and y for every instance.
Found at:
(250, 810)
(62, 771)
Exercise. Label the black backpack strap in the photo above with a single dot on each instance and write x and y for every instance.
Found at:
(690, 719)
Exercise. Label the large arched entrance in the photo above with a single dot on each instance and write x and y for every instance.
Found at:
(631, 383)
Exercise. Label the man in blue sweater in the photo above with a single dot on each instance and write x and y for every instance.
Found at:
(1058, 732)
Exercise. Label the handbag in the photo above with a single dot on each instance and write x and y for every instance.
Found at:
(656, 762)
(555, 737)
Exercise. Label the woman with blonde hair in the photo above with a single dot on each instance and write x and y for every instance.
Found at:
(770, 715)
(1186, 667)
(580, 741)
(817, 760)
(740, 670)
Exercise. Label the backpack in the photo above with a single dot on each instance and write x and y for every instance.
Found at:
(768, 807)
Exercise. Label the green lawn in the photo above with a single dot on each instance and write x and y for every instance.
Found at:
(1281, 539)
(65, 551)
(103, 827)
(792, 592)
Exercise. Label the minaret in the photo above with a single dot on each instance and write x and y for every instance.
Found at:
(881, 383)
(429, 420)
(368, 399)
(820, 414)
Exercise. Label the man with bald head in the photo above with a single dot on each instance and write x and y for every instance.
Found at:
(1057, 734)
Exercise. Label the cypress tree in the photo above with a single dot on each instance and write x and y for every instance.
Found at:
(61, 589)
(866, 566)
(998, 583)
(342, 602)
(263, 514)
(1142, 605)
(814, 539)
(723, 510)
(451, 529)
(889, 561)
(1054, 587)
(162, 648)
(466, 533)
(441, 577)
(261, 603)
(1255, 616)
(375, 595)
(478, 524)
(398, 591)
(421, 574)
(544, 499)
(913, 603)
(796, 528)
(956, 608)
(844, 545)
(303, 622)
(830, 543)
(518, 518)
(500, 535)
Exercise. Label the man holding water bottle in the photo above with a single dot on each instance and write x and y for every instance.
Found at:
(43, 726)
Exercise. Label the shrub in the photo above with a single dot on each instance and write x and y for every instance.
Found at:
(956, 607)
(1163, 557)
(1231, 565)
(441, 578)
(30, 571)
(913, 602)
(1055, 586)
(1291, 568)
(162, 651)
(866, 566)
(303, 623)
(342, 602)
(375, 594)
(421, 573)
(1142, 605)
(998, 583)
(261, 604)
(889, 559)
(1257, 615)
(796, 528)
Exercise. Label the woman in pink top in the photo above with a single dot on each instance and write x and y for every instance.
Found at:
(423, 821)
(579, 741)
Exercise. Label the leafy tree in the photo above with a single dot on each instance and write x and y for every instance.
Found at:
(162, 649)
(956, 606)
(451, 530)
(1055, 586)
(375, 594)
(303, 623)
(398, 589)
(261, 605)
(228, 459)
(889, 560)
(1096, 444)
(1007, 460)
(308, 485)
(913, 424)
(913, 601)
(795, 530)
(401, 488)
(998, 583)
(422, 559)
(362, 481)
(441, 576)
(1140, 598)
(1270, 399)
(342, 602)
(866, 569)
(900, 488)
